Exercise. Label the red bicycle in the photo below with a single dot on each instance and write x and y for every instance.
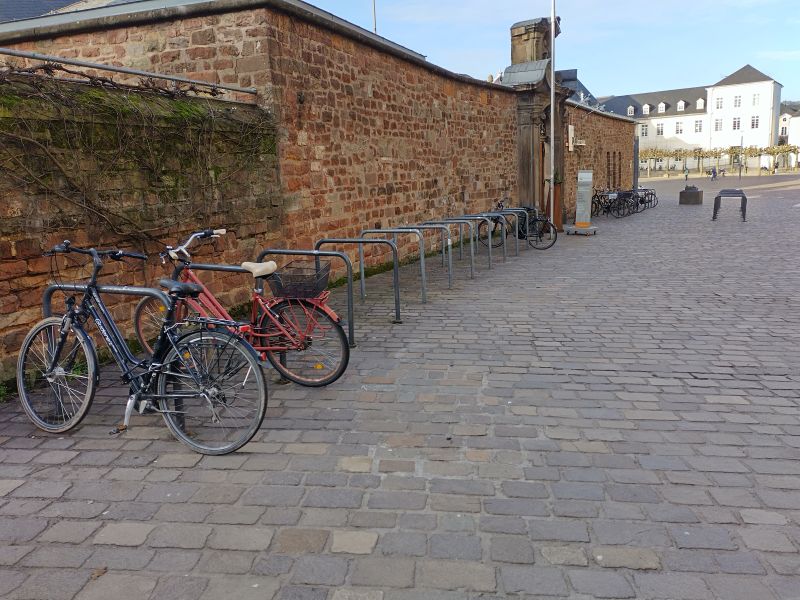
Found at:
(294, 329)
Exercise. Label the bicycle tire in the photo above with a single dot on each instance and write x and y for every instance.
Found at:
(308, 367)
(497, 238)
(149, 316)
(596, 207)
(60, 401)
(543, 235)
(219, 376)
(619, 208)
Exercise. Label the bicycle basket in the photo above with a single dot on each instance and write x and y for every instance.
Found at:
(300, 279)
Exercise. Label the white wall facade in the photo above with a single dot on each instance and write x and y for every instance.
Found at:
(760, 100)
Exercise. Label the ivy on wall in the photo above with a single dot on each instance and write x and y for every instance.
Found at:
(130, 162)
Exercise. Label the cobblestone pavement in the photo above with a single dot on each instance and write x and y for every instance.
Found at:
(616, 417)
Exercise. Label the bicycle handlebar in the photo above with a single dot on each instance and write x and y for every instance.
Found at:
(66, 247)
(174, 253)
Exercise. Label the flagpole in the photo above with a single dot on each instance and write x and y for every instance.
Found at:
(552, 110)
(374, 18)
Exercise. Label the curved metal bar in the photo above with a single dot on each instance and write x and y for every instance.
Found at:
(486, 220)
(317, 253)
(520, 213)
(447, 249)
(125, 290)
(461, 223)
(396, 268)
(421, 239)
(500, 216)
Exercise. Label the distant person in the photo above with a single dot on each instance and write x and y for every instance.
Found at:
(686, 174)
(713, 173)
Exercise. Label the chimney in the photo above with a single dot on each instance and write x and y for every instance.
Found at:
(530, 40)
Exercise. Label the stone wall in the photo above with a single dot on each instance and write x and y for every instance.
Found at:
(608, 152)
(367, 138)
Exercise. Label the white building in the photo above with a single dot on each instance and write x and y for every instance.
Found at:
(789, 131)
(741, 109)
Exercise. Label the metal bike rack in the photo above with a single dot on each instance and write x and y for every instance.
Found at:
(351, 336)
(447, 248)
(461, 223)
(517, 212)
(478, 218)
(396, 269)
(124, 290)
(502, 217)
(396, 231)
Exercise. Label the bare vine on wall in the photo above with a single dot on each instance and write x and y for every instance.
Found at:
(130, 161)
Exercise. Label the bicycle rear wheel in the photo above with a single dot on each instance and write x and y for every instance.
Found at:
(543, 234)
(496, 236)
(323, 351)
(56, 400)
(213, 391)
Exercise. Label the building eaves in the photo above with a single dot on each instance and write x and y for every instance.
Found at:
(527, 73)
(145, 12)
(595, 109)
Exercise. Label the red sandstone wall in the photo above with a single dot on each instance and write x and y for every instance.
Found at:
(368, 139)
(606, 138)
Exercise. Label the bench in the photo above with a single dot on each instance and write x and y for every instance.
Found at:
(732, 193)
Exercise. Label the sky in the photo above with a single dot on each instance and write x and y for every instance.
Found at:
(618, 46)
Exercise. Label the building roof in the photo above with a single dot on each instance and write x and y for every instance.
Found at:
(791, 108)
(527, 73)
(670, 98)
(16, 10)
(746, 74)
(580, 93)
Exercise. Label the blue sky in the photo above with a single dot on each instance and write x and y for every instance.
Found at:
(618, 46)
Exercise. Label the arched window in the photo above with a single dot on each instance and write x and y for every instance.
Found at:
(631, 111)
(681, 106)
(646, 109)
(661, 107)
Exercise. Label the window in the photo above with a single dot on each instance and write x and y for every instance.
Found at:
(646, 109)
(754, 122)
(717, 124)
(755, 99)
(701, 104)
(719, 103)
(698, 127)
(660, 129)
(678, 127)
(737, 123)
(643, 130)
(737, 101)
(783, 130)
(631, 111)
(681, 106)
(661, 107)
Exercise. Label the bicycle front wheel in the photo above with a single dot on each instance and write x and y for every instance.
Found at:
(543, 235)
(318, 354)
(56, 399)
(212, 391)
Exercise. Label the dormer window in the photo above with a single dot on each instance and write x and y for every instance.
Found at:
(701, 104)
(646, 109)
(661, 107)
(681, 106)
(631, 111)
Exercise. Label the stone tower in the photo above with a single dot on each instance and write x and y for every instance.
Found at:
(530, 40)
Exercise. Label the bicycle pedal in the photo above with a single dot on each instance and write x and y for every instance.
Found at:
(118, 429)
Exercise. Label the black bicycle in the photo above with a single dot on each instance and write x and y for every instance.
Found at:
(536, 228)
(206, 383)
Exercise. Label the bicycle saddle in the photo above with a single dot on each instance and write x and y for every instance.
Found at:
(259, 269)
(181, 289)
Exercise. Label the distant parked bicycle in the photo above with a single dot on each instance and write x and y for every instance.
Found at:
(536, 228)
(207, 384)
(295, 329)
